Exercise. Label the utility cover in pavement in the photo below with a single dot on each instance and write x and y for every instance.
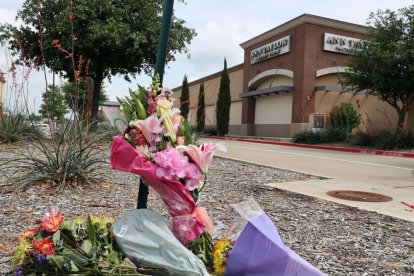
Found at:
(359, 196)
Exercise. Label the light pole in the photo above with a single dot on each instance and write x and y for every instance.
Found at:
(159, 69)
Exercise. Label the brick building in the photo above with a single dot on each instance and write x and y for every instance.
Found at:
(289, 77)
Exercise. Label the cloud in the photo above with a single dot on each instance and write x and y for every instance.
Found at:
(217, 39)
(8, 16)
(221, 27)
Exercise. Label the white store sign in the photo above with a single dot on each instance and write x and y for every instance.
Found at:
(275, 48)
(338, 43)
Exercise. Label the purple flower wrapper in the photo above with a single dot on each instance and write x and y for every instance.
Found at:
(259, 250)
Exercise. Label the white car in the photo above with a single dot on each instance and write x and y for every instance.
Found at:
(43, 127)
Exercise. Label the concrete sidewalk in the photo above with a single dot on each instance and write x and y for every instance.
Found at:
(318, 189)
(385, 174)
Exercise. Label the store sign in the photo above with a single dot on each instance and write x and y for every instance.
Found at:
(275, 48)
(338, 43)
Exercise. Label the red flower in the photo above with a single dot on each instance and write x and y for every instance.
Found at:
(45, 247)
(51, 222)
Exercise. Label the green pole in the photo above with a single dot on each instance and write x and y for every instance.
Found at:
(159, 69)
(163, 42)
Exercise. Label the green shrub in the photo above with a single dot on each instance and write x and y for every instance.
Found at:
(307, 137)
(334, 135)
(15, 127)
(361, 138)
(210, 130)
(11, 128)
(324, 136)
(344, 116)
(385, 140)
(389, 141)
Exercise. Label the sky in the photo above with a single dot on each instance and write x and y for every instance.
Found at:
(221, 26)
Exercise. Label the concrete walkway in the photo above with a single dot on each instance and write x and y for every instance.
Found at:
(388, 175)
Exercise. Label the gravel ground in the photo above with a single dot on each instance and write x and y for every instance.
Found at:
(338, 239)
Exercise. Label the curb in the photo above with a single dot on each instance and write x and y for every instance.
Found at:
(331, 148)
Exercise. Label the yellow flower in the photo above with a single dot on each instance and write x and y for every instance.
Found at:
(22, 249)
(221, 250)
(165, 105)
(102, 224)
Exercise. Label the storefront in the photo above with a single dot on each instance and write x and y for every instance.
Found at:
(289, 75)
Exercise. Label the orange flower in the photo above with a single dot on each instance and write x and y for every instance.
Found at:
(45, 247)
(52, 221)
(30, 233)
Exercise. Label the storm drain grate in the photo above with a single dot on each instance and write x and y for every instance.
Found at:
(359, 196)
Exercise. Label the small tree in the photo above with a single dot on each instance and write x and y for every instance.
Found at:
(223, 103)
(201, 109)
(345, 117)
(117, 37)
(185, 98)
(53, 104)
(384, 63)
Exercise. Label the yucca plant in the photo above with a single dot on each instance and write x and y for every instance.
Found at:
(10, 128)
(15, 127)
(71, 157)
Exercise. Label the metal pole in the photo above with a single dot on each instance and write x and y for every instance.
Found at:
(163, 42)
(159, 69)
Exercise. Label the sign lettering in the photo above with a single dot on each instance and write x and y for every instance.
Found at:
(275, 48)
(338, 43)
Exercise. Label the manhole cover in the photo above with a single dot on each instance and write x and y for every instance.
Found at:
(359, 196)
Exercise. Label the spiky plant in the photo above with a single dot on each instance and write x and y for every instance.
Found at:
(71, 157)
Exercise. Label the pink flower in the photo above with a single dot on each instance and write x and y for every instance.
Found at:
(152, 106)
(153, 125)
(138, 137)
(151, 128)
(193, 177)
(180, 140)
(175, 115)
(203, 154)
(172, 163)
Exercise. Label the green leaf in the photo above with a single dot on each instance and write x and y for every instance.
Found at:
(142, 114)
(56, 238)
(113, 257)
(87, 246)
(73, 267)
(91, 232)
(57, 261)
(79, 260)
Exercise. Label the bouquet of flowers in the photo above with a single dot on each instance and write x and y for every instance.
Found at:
(82, 246)
(159, 147)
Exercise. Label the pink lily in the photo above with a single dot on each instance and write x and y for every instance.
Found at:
(153, 124)
(203, 154)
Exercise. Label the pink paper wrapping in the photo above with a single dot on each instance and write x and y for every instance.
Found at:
(187, 224)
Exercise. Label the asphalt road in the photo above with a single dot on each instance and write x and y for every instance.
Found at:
(388, 175)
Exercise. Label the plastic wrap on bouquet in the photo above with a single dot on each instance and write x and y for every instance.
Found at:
(259, 250)
(145, 239)
(188, 220)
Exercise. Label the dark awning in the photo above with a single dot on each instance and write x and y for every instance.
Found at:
(339, 89)
(267, 91)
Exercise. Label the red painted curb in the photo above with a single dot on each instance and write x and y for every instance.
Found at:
(332, 148)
